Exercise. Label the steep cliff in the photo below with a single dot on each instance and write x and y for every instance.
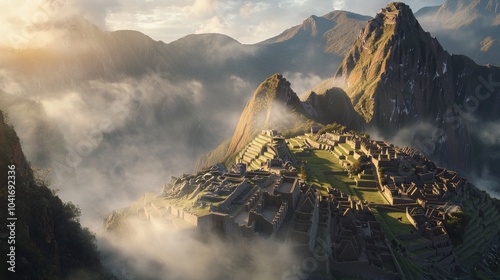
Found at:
(398, 76)
(49, 241)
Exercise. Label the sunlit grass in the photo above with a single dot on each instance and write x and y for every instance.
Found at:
(410, 269)
(392, 219)
(370, 195)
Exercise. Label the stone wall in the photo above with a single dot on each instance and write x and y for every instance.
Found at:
(241, 188)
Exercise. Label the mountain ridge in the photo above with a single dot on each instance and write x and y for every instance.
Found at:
(400, 77)
(466, 27)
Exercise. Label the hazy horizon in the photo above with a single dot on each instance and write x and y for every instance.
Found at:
(34, 23)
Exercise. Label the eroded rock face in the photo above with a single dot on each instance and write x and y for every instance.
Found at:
(398, 76)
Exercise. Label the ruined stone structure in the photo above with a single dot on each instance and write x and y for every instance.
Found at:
(360, 247)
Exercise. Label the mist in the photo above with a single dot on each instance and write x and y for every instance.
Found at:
(471, 33)
(302, 82)
(152, 250)
(107, 142)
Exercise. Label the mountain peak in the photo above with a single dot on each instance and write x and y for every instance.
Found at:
(399, 76)
(396, 13)
(393, 42)
(273, 105)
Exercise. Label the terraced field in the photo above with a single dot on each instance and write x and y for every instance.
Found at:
(257, 152)
(480, 230)
(327, 171)
(392, 227)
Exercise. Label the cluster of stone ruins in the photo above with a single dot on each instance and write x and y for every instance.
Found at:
(263, 196)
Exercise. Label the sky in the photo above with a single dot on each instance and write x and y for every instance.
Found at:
(26, 22)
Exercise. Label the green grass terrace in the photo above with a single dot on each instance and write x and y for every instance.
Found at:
(327, 172)
(392, 227)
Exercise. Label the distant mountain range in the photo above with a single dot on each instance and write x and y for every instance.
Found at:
(466, 27)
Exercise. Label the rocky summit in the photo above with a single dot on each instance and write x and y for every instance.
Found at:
(398, 76)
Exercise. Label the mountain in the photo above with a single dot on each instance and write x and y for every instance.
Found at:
(48, 241)
(334, 32)
(273, 105)
(315, 46)
(466, 27)
(332, 105)
(448, 218)
(405, 85)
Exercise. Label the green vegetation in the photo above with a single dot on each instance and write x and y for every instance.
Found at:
(303, 171)
(410, 269)
(370, 195)
(455, 226)
(299, 129)
(320, 162)
(72, 212)
(391, 218)
(327, 172)
(50, 242)
(356, 167)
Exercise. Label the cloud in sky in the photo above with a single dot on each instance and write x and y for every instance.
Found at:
(245, 20)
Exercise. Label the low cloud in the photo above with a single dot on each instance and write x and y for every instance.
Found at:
(155, 250)
(431, 140)
(302, 82)
(107, 141)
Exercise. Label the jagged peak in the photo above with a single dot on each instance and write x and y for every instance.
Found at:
(392, 42)
(391, 27)
(396, 13)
